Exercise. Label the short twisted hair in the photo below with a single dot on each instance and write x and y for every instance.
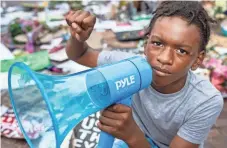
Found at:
(191, 11)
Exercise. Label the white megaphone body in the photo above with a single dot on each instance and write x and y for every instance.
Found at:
(51, 106)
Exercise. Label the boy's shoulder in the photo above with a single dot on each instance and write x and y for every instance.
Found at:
(202, 85)
(202, 91)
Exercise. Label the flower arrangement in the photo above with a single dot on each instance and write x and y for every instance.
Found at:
(218, 73)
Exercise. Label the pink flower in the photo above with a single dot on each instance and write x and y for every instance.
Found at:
(212, 63)
(220, 70)
(217, 68)
(217, 81)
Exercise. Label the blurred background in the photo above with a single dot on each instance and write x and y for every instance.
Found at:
(36, 33)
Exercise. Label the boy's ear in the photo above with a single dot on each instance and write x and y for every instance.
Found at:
(145, 48)
(145, 44)
(199, 60)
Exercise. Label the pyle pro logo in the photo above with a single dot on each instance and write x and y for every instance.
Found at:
(125, 82)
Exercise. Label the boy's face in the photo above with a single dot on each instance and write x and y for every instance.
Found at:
(172, 49)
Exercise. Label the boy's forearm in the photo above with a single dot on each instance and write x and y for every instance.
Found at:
(139, 141)
(81, 53)
(75, 49)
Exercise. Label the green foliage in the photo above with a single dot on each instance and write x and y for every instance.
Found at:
(73, 4)
(15, 29)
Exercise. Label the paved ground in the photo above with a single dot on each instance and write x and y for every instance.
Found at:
(218, 135)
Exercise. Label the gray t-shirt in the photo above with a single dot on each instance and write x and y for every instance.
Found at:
(189, 113)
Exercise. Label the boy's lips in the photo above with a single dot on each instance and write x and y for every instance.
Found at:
(161, 72)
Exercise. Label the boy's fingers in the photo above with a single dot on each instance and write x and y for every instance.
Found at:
(68, 13)
(72, 31)
(72, 16)
(89, 21)
(110, 114)
(82, 18)
(78, 12)
(105, 128)
(79, 19)
(79, 38)
(76, 28)
(119, 108)
(107, 121)
(67, 18)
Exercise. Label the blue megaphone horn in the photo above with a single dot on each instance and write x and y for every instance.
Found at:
(49, 107)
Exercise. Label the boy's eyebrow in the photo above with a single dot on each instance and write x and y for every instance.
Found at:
(156, 36)
(178, 45)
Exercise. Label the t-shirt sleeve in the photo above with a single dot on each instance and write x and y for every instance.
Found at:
(197, 126)
(108, 57)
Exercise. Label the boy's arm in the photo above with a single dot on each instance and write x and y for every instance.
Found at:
(139, 142)
(81, 24)
(197, 126)
(81, 53)
(118, 121)
(179, 142)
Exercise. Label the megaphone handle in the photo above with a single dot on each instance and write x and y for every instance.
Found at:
(106, 140)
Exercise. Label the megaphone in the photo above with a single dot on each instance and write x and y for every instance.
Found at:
(49, 107)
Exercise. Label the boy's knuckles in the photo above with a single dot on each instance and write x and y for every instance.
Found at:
(128, 109)
(86, 13)
(68, 19)
(77, 12)
(71, 19)
(125, 117)
(79, 21)
(92, 18)
(119, 125)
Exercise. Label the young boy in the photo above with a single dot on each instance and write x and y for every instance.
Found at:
(179, 108)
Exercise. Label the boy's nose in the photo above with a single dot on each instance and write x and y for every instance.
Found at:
(165, 56)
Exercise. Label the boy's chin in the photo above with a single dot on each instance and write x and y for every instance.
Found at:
(160, 83)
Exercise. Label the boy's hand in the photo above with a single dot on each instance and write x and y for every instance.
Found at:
(81, 24)
(117, 120)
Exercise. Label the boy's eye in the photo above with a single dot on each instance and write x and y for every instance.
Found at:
(182, 51)
(157, 43)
